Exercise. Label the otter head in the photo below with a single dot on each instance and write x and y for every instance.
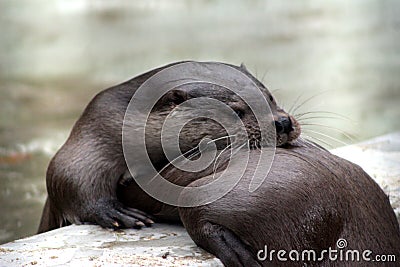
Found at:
(177, 103)
(287, 129)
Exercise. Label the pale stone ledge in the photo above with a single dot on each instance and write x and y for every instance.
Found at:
(90, 245)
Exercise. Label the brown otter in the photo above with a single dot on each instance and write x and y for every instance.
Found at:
(82, 178)
(310, 200)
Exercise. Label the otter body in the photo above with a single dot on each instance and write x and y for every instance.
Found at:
(309, 200)
(83, 178)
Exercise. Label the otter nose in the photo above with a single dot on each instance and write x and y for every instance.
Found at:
(283, 125)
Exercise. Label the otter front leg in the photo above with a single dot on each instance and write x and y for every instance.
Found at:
(109, 212)
(221, 242)
(82, 184)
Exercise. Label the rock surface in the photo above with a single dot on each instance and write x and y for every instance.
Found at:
(170, 245)
(90, 245)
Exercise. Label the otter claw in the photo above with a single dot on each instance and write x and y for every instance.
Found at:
(139, 224)
(149, 221)
(113, 214)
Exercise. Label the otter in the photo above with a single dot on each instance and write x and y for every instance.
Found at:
(310, 200)
(86, 179)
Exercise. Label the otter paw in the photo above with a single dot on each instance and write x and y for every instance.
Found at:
(113, 214)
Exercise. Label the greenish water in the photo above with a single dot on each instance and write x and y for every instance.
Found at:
(55, 55)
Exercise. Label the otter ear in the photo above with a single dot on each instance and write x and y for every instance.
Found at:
(243, 67)
(172, 98)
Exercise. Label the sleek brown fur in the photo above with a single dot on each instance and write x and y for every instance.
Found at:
(309, 200)
(84, 176)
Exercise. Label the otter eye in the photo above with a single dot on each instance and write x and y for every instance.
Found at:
(271, 98)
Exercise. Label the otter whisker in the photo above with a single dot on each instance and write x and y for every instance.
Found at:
(349, 136)
(177, 158)
(299, 115)
(263, 77)
(275, 90)
(328, 136)
(317, 139)
(193, 155)
(295, 103)
(196, 153)
(216, 159)
(318, 117)
(195, 150)
(197, 147)
(256, 73)
(232, 154)
(283, 105)
(308, 99)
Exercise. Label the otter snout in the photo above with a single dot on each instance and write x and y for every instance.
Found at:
(283, 125)
(287, 129)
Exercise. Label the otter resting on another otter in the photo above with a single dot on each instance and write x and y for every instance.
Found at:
(309, 199)
(85, 179)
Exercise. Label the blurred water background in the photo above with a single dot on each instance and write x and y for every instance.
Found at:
(56, 55)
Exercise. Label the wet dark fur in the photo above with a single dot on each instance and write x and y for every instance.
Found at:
(309, 200)
(83, 177)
